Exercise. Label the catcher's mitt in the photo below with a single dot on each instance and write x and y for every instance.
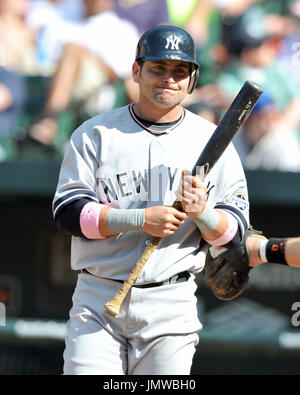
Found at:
(228, 273)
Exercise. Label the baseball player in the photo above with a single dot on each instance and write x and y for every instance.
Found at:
(120, 175)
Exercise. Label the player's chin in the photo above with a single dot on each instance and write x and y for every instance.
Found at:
(168, 100)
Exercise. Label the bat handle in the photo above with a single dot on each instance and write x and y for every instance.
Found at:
(177, 205)
(113, 306)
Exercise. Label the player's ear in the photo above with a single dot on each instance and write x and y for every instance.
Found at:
(136, 68)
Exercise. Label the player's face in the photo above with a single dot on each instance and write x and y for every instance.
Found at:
(163, 83)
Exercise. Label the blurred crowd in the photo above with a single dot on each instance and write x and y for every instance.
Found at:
(63, 61)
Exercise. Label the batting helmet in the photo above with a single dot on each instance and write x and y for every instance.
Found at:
(167, 42)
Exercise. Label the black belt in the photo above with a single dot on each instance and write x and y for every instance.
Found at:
(177, 278)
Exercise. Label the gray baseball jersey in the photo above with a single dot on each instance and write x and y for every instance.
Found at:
(112, 159)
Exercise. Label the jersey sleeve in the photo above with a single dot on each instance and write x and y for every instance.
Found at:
(67, 220)
(233, 195)
(78, 172)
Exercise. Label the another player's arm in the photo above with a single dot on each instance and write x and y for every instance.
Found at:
(284, 251)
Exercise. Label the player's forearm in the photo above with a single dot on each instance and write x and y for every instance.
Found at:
(113, 221)
(159, 221)
(96, 221)
(85, 218)
(217, 227)
(282, 251)
(292, 252)
(99, 221)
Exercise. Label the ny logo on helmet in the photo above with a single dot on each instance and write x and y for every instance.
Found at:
(173, 41)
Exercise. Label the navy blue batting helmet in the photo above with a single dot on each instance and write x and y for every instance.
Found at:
(168, 42)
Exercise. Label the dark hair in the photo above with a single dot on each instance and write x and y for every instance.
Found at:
(140, 62)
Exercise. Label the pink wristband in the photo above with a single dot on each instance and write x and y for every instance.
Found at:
(228, 234)
(89, 220)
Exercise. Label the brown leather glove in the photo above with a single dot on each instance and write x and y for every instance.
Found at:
(228, 273)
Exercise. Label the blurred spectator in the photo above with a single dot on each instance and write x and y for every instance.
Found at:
(253, 52)
(263, 143)
(234, 7)
(202, 20)
(180, 11)
(194, 16)
(12, 98)
(289, 50)
(53, 22)
(144, 14)
(44, 12)
(101, 51)
(17, 40)
(206, 111)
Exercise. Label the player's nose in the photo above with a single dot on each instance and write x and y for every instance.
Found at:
(169, 78)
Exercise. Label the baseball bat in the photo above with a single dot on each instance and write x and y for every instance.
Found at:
(229, 125)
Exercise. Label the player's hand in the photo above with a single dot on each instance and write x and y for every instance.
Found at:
(161, 221)
(192, 194)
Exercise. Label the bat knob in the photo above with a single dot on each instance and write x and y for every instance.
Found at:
(112, 309)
